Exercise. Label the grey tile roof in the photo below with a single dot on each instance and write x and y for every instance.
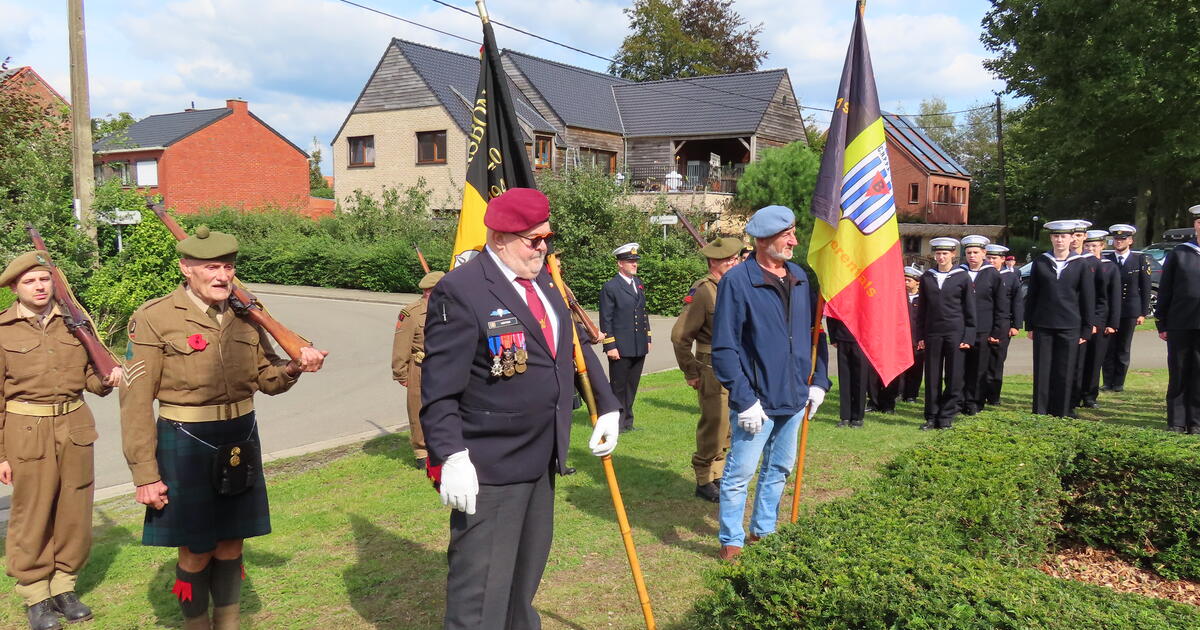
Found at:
(446, 72)
(161, 130)
(580, 97)
(4, 74)
(718, 104)
(904, 132)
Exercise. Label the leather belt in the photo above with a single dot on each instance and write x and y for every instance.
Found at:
(703, 347)
(205, 413)
(42, 410)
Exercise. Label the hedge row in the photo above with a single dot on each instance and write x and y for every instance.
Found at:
(950, 533)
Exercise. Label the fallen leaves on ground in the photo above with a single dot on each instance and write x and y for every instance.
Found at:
(1106, 568)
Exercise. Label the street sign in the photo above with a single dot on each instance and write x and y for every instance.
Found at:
(120, 217)
(664, 219)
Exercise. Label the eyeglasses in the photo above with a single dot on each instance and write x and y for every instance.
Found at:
(533, 240)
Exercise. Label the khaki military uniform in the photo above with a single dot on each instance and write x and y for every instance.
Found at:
(695, 325)
(408, 351)
(46, 435)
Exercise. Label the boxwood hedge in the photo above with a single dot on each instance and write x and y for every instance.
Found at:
(949, 535)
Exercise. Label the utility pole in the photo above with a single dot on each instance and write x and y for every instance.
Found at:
(1000, 200)
(81, 121)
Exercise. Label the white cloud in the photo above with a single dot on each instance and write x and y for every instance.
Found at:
(16, 32)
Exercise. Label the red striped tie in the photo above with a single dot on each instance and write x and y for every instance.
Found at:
(539, 312)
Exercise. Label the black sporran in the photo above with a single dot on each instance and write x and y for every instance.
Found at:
(235, 467)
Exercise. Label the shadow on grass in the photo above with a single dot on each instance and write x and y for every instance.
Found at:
(669, 405)
(108, 539)
(392, 446)
(166, 606)
(396, 584)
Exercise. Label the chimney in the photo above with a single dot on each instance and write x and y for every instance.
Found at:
(239, 106)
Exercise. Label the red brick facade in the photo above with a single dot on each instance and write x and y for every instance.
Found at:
(938, 198)
(29, 81)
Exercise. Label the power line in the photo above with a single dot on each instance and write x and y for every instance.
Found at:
(406, 21)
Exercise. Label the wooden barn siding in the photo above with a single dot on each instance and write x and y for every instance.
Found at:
(395, 85)
(648, 157)
(781, 124)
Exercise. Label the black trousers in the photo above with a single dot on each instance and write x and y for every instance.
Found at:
(883, 396)
(975, 369)
(994, 381)
(853, 370)
(910, 386)
(624, 374)
(1116, 360)
(1054, 351)
(943, 379)
(497, 556)
(1183, 384)
(1092, 357)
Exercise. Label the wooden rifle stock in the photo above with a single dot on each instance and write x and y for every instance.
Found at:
(687, 225)
(421, 257)
(76, 319)
(592, 329)
(243, 302)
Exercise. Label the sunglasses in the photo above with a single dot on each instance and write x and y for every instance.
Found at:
(533, 240)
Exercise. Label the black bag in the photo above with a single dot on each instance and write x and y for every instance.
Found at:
(235, 468)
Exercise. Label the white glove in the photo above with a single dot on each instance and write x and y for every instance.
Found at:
(816, 396)
(604, 436)
(751, 420)
(459, 483)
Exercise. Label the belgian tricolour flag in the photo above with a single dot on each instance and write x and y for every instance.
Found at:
(496, 159)
(855, 247)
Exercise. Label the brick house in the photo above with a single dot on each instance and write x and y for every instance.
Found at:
(29, 81)
(208, 158)
(930, 186)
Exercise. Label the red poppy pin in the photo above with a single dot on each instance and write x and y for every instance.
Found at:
(197, 342)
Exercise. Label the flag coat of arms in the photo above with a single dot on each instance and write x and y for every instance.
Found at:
(855, 246)
(496, 159)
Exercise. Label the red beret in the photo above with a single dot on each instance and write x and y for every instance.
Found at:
(517, 210)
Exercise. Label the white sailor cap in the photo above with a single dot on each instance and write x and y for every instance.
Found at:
(1122, 229)
(912, 272)
(1095, 235)
(1082, 225)
(995, 249)
(944, 243)
(975, 240)
(1195, 210)
(1062, 226)
(628, 251)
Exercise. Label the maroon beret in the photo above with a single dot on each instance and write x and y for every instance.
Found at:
(517, 210)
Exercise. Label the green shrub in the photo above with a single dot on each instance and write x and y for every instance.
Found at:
(949, 535)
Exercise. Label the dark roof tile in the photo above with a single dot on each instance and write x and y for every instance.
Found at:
(718, 104)
(161, 130)
(580, 97)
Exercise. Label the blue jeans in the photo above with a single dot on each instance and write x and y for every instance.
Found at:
(776, 445)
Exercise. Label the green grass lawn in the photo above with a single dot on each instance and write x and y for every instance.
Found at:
(360, 536)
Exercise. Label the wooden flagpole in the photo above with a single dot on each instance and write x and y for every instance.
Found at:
(816, 339)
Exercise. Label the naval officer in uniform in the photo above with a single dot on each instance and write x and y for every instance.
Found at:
(1135, 303)
(627, 328)
(1178, 320)
(496, 409)
(198, 464)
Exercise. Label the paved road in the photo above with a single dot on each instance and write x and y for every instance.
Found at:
(354, 398)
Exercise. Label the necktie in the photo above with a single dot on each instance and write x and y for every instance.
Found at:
(212, 312)
(539, 312)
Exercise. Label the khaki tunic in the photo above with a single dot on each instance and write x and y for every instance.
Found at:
(695, 325)
(408, 351)
(50, 532)
(179, 355)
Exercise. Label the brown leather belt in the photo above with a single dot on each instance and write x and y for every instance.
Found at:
(703, 347)
(205, 413)
(42, 410)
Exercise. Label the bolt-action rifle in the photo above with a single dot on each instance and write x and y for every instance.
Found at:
(687, 225)
(421, 257)
(243, 302)
(76, 319)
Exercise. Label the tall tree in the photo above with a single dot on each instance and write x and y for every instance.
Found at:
(686, 38)
(938, 124)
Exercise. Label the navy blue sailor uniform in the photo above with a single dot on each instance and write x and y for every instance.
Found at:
(911, 379)
(991, 320)
(1178, 315)
(1098, 312)
(853, 372)
(1134, 268)
(1059, 307)
(1108, 312)
(624, 321)
(516, 426)
(1011, 293)
(946, 318)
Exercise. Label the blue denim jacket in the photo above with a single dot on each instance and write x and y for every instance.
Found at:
(757, 352)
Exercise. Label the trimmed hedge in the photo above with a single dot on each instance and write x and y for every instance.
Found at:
(949, 535)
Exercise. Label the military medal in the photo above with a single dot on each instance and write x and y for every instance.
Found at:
(494, 346)
(508, 359)
(522, 355)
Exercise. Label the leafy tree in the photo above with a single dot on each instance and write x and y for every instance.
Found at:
(686, 38)
(784, 176)
(112, 124)
(938, 124)
(316, 180)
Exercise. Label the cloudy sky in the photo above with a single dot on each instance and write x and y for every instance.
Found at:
(302, 63)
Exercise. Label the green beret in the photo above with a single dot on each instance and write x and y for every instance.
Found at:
(29, 261)
(206, 244)
(722, 248)
(430, 279)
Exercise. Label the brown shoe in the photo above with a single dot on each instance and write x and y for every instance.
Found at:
(729, 553)
(751, 539)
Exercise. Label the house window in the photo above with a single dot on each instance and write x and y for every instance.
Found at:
(147, 172)
(362, 151)
(541, 151)
(604, 161)
(912, 244)
(914, 193)
(431, 147)
(109, 170)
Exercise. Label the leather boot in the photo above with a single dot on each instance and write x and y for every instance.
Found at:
(227, 578)
(192, 590)
(69, 606)
(42, 616)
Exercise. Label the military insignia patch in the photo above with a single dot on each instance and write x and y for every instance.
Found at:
(500, 312)
(687, 299)
(133, 371)
(131, 327)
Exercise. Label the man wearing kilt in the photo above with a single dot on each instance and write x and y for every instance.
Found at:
(198, 466)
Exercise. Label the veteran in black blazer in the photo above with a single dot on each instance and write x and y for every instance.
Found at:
(496, 409)
(1135, 303)
(1178, 320)
(626, 327)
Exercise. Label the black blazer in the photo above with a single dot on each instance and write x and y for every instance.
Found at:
(1179, 290)
(516, 427)
(1108, 295)
(1015, 297)
(948, 311)
(1135, 284)
(1060, 302)
(623, 317)
(991, 309)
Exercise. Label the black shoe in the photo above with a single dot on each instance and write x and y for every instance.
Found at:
(1177, 429)
(1106, 388)
(856, 424)
(844, 423)
(420, 463)
(1118, 388)
(569, 471)
(945, 426)
(872, 408)
(42, 616)
(69, 606)
(709, 492)
(928, 426)
(1194, 430)
(1090, 404)
(716, 482)
(970, 411)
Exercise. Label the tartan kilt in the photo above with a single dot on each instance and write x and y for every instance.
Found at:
(196, 516)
